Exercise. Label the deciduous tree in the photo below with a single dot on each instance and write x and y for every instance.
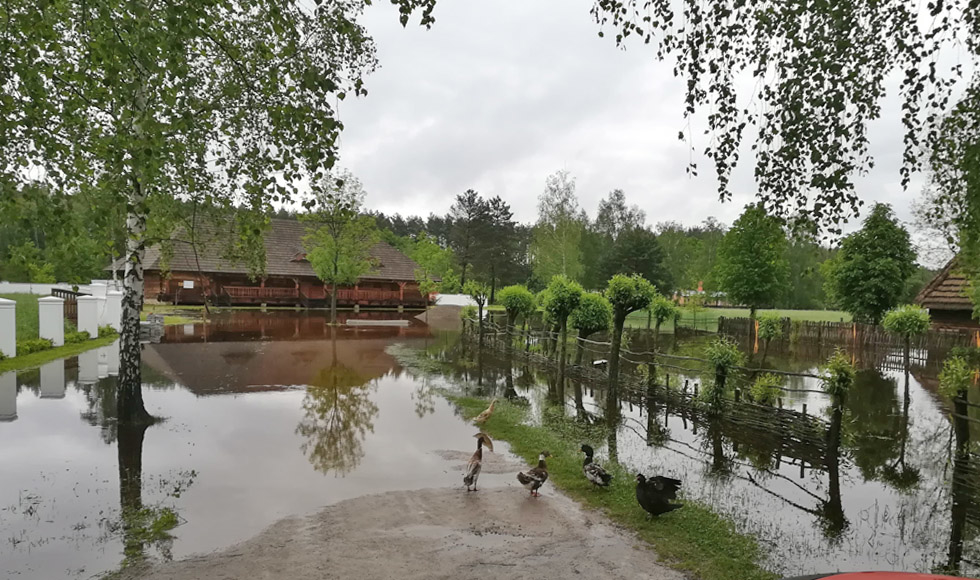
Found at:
(562, 297)
(339, 239)
(868, 274)
(627, 294)
(752, 268)
(229, 99)
(558, 232)
(593, 314)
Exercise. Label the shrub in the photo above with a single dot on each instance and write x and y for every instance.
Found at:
(770, 326)
(593, 314)
(724, 352)
(468, 312)
(518, 301)
(767, 389)
(106, 330)
(907, 321)
(955, 377)
(840, 374)
(74, 336)
(33, 345)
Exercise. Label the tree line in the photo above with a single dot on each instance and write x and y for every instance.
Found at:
(760, 261)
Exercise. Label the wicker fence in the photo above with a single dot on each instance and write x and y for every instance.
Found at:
(853, 333)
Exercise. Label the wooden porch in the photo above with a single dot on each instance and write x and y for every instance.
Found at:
(286, 292)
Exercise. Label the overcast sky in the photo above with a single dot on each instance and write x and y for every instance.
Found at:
(498, 95)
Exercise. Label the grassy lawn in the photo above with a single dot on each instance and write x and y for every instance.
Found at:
(708, 318)
(37, 359)
(693, 539)
(172, 318)
(26, 311)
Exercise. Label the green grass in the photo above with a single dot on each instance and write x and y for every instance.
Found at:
(708, 318)
(39, 358)
(172, 318)
(693, 539)
(26, 310)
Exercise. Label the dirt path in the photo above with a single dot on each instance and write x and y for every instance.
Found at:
(496, 533)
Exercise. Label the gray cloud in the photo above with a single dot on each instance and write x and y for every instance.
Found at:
(496, 96)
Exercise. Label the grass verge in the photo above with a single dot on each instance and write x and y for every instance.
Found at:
(39, 358)
(172, 318)
(26, 312)
(693, 539)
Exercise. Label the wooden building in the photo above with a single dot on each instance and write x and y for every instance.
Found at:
(946, 298)
(186, 276)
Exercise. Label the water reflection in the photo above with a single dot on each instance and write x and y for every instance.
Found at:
(870, 482)
(253, 422)
(338, 413)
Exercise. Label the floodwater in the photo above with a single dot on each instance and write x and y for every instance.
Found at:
(271, 415)
(898, 489)
(267, 415)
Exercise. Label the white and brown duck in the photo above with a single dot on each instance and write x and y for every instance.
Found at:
(475, 465)
(535, 477)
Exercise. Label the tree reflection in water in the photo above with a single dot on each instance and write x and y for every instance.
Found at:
(338, 414)
(899, 474)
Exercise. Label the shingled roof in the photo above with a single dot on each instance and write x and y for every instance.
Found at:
(947, 291)
(285, 256)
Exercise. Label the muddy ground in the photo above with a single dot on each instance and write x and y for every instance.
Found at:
(498, 532)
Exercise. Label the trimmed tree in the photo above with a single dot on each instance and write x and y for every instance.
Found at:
(770, 328)
(593, 314)
(627, 294)
(563, 296)
(752, 268)
(518, 301)
(479, 292)
(867, 276)
(907, 321)
(339, 240)
(661, 309)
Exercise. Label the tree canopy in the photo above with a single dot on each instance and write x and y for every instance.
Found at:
(867, 277)
(752, 268)
(593, 314)
(558, 232)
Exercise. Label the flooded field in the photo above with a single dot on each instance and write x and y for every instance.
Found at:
(266, 416)
(896, 489)
(270, 415)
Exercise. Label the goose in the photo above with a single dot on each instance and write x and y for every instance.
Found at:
(476, 462)
(654, 494)
(535, 477)
(593, 471)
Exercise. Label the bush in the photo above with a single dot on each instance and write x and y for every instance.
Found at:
(767, 389)
(840, 374)
(724, 352)
(33, 345)
(770, 326)
(106, 330)
(955, 377)
(74, 336)
(907, 321)
(468, 312)
(518, 301)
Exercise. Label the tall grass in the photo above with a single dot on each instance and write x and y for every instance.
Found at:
(26, 310)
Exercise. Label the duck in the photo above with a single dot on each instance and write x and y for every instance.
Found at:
(654, 494)
(476, 462)
(535, 477)
(593, 471)
(482, 417)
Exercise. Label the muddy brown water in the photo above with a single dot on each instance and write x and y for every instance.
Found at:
(267, 416)
(271, 415)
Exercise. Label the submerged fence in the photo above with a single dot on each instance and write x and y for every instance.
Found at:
(853, 333)
(650, 377)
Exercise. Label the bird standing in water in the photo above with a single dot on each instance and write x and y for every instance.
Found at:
(535, 477)
(592, 470)
(482, 417)
(654, 494)
(475, 465)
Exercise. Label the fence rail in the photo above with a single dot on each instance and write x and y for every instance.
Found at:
(856, 333)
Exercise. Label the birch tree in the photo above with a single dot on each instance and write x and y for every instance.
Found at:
(232, 100)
